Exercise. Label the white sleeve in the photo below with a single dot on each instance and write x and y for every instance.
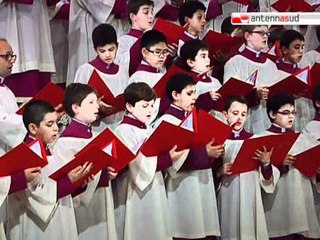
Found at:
(142, 170)
(4, 188)
(269, 185)
(42, 198)
(231, 70)
(12, 130)
(99, 9)
(83, 74)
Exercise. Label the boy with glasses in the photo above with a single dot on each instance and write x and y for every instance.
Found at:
(290, 208)
(151, 69)
(250, 59)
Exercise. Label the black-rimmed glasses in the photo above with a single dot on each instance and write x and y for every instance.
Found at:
(159, 52)
(261, 33)
(287, 113)
(8, 56)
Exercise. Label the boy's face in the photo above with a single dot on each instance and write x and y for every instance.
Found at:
(47, 129)
(258, 38)
(284, 117)
(155, 55)
(88, 110)
(201, 62)
(236, 115)
(294, 53)
(144, 18)
(197, 22)
(186, 99)
(107, 53)
(142, 110)
(6, 59)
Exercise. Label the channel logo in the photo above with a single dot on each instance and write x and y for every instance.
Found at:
(239, 18)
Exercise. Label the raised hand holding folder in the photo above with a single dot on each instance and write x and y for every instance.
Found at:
(220, 42)
(22, 157)
(235, 87)
(94, 155)
(115, 103)
(281, 144)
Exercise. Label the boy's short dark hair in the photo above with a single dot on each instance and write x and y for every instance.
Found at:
(35, 112)
(133, 6)
(104, 34)
(227, 27)
(74, 94)
(275, 34)
(277, 101)
(233, 99)
(189, 50)
(177, 83)
(318, 32)
(151, 38)
(289, 36)
(138, 91)
(188, 8)
(316, 97)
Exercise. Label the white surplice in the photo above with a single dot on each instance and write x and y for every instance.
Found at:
(146, 211)
(241, 211)
(290, 208)
(191, 196)
(12, 130)
(94, 207)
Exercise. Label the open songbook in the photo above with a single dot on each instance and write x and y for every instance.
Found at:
(298, 84)
(103, 151)
(115, 103)
(22, 157)
(51, 93)
(281, 144)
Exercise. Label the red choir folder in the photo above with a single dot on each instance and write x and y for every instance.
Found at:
(208, 127)
(116, 102)
(244, 2)
(273, 58)
(280, 143)
(173, 32)
(160, 86)
(315, 73)
(22, 157)
(293, 6)
(120, 153)
(233, 87)
(308, 161)
(51, 93)
(94, 155)
(28, 2)
(135, 56)
(165, 137)
(295, 84)
(218, 41)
